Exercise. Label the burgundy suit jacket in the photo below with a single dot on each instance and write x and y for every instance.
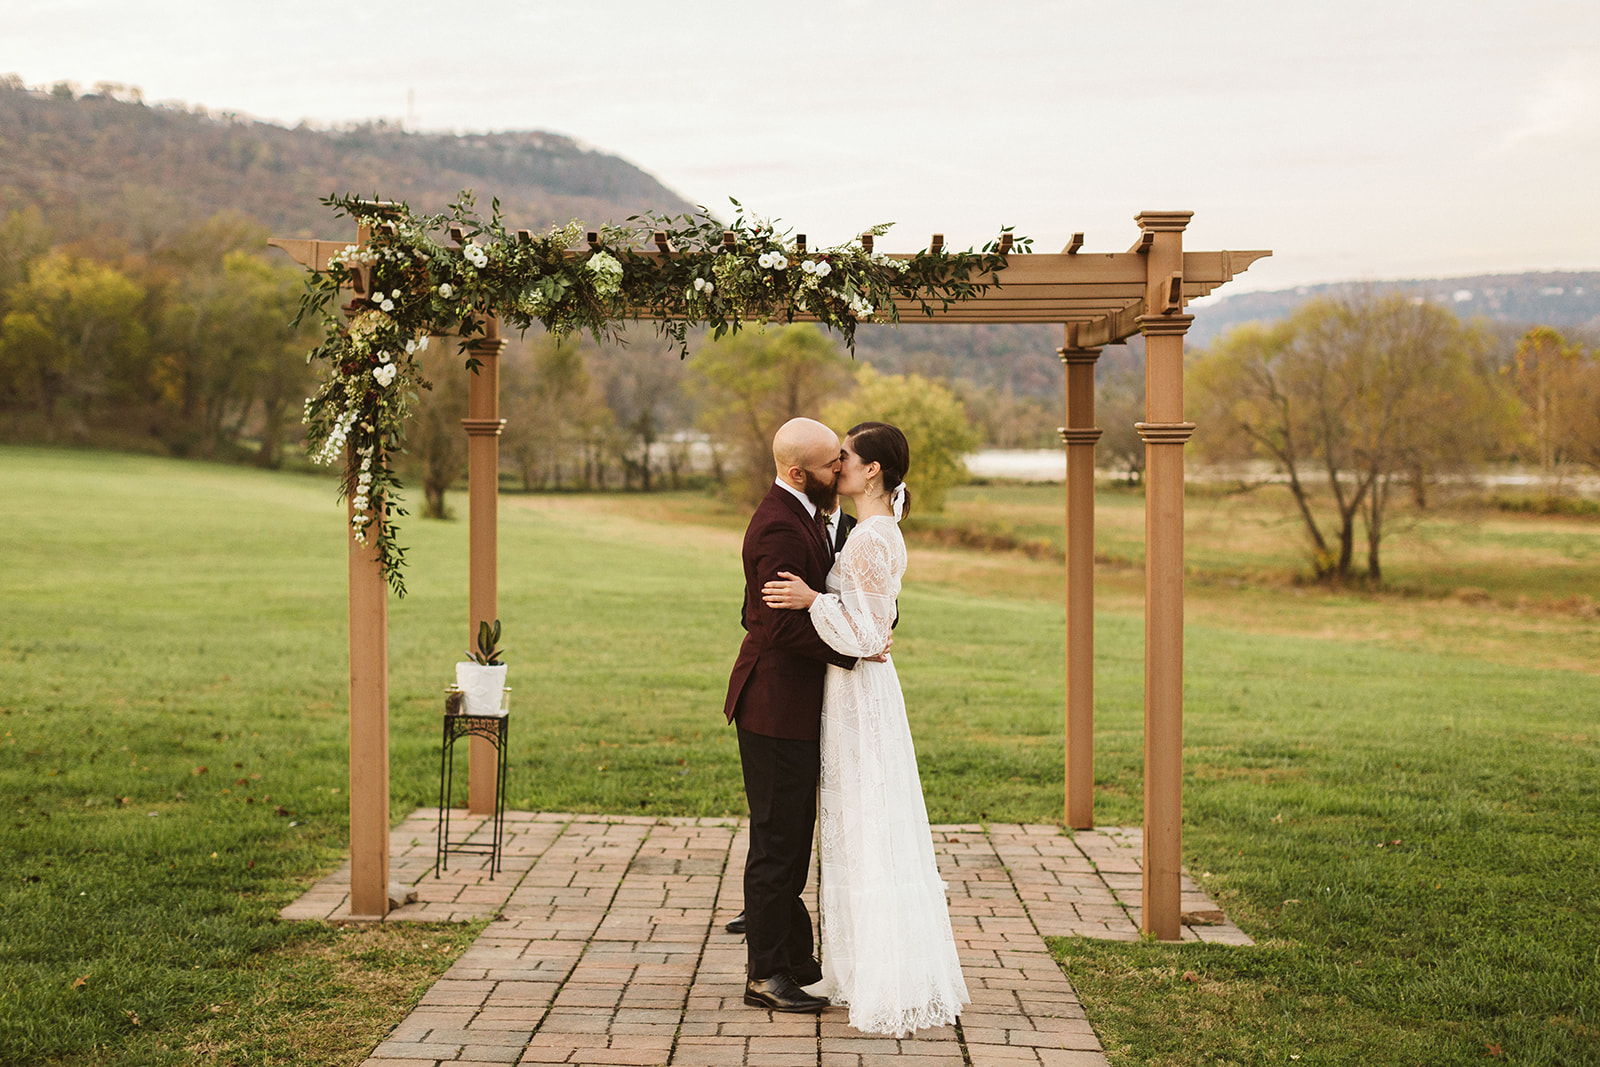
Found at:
(776, 686)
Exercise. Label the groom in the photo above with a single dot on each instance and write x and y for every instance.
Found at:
(775, 698)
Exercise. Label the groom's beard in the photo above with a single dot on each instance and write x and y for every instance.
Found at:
(825, 495)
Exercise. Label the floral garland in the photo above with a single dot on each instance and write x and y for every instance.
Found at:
(409, 286)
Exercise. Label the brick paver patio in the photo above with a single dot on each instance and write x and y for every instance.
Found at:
(607, 946)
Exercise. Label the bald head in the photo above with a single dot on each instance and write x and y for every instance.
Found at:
(800, 445)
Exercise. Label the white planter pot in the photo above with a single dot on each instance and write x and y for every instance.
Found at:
(482, 688)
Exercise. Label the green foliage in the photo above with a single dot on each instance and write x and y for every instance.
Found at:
(73, 333)
(933, 420)
(489, 650)
(751, 383)
(408, 285)
(188, 348)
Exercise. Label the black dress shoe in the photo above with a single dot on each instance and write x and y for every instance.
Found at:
(736, 925)
(807, 973)
(779, 993)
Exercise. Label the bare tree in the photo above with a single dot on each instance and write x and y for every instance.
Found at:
(643, 390)
(1584, 429)
(1348, 399)
(437, 445)
(552, 408)
(1119, 405)
(1547, 374)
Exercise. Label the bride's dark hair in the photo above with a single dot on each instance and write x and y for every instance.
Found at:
(885, 445)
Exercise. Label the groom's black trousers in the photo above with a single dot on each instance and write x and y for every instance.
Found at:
(780, 782)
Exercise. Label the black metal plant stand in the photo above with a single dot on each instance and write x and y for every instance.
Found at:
(496, 730)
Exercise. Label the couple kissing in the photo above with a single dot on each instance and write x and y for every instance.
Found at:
(822, 724)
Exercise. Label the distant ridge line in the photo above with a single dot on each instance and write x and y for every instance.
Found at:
(1563, 299)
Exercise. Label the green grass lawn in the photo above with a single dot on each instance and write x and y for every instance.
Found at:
(172, 699)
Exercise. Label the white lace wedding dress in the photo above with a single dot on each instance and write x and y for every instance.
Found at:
(887, 948)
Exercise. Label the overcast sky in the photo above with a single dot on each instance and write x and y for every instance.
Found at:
(1356, 139)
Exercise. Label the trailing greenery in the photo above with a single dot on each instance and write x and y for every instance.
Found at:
(408, 285)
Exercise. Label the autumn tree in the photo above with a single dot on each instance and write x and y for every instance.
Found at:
(437, 444)
(1349, 399)
(1547, 374)
(1119, 406)
(24, 237)
(229, 354)
(643, 390)
(554, 413)
(1004, 419)
(754, 381)
(72, 334)
(928, 413)
(1584, 429)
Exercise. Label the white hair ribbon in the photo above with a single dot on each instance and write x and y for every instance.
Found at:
(897, 500)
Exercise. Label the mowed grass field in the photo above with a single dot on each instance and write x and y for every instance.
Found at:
(1398, 796)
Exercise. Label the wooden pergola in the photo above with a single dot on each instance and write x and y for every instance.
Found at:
(1100, 299)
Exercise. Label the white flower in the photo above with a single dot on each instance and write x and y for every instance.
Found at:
(411, 348)
(823, 270)
(387, 305)
(383, 357)
(445, 290)
(359, 503)
(710, 288)
(366, 463)
(422, 343)
(385, 374)
(808, 266)
(699, 284)
(765, 260)
(395, 294)
(780, 261)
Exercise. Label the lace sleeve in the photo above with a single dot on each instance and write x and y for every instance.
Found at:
(859, 619)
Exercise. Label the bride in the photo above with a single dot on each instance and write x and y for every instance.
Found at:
(887, 949)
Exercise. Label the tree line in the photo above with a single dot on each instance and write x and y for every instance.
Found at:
(182, 344)
(185, 347)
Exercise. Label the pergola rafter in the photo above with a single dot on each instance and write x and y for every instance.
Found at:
(1099, 299)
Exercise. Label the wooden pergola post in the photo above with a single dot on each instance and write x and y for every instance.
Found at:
(1080, 435)
(483, 425)
(369, 696)
(1164, 432)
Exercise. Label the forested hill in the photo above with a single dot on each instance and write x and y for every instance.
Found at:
(107, 166)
